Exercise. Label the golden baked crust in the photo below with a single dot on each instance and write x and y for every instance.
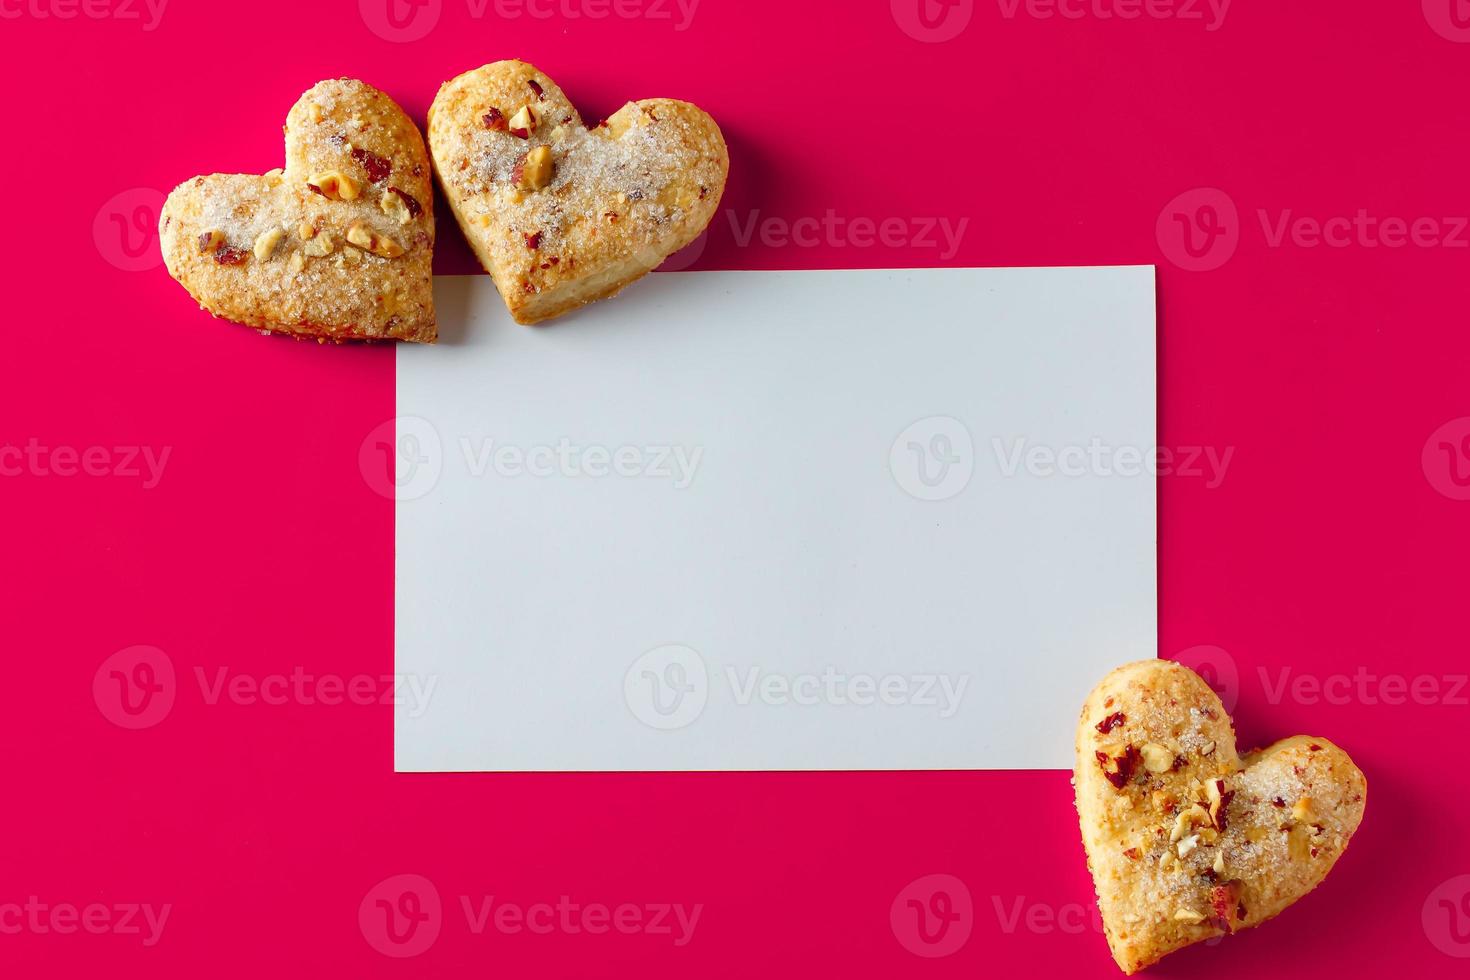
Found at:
(621, 197)
(335, 270)
(1187, 840)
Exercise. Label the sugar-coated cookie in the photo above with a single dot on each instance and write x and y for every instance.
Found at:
(561, 214)
(1186, 839)
(337, 246)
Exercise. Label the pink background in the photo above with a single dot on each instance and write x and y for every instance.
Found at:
(1335, 543)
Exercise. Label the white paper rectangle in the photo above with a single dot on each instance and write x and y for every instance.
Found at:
(776, 520)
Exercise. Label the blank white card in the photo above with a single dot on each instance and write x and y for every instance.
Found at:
(774, 520)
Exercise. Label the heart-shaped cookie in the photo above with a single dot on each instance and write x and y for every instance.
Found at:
(560, 214)
(1186, 839)
(338, 245)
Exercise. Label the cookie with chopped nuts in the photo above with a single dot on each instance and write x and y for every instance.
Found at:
(336, 246)
(1186, 839)
(559, 213)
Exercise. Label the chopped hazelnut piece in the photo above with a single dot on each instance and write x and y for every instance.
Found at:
(1156, 758)
(392, 205)
(359, 234)
(400, 205)
(334, 185)
(1219, 802)
(1187, 820)
(535, 169)
(523, 123)
(267, 242)
(319, 246)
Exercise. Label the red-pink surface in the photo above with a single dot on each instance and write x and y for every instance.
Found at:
(1325, 569)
